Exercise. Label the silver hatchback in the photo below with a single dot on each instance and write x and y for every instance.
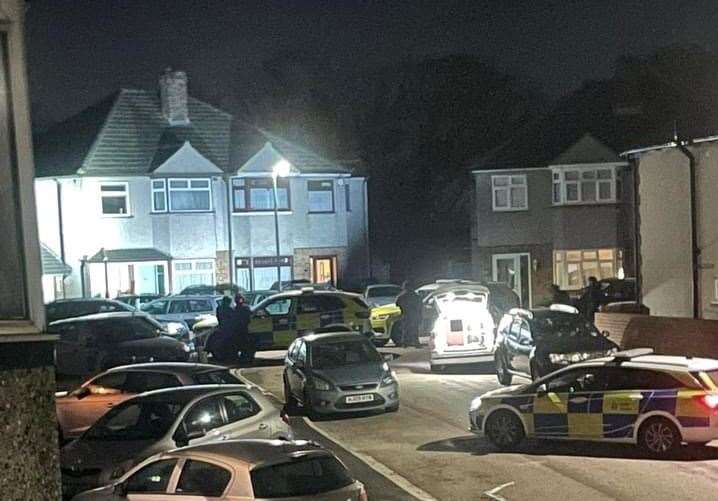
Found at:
(242, 469)
(162, 420)
(338, 373)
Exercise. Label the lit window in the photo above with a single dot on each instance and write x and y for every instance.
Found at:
(585, 186)
(115, 199)
(572, 268)
(257, 194)
(509, 193)
(189, 195)
(321, 196)
(159, 195)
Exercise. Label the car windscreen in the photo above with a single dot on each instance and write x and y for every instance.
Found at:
(219, 376)
(563, 326)
(330, 355)
(303, 477)
(140, 420)
(388, 291)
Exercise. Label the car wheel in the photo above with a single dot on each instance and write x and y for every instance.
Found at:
(380, 342)
(289, 400)
(659, 437)
(504, 429)
(438, 368)
(309, 408)
(502, 372)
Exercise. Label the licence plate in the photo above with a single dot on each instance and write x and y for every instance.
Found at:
(355, 399)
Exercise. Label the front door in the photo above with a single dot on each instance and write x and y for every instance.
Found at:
(324, 270)
(514, 270)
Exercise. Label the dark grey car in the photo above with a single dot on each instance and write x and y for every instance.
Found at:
(338, 373)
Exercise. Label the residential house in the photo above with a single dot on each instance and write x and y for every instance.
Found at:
(675, 280)
(553, 211)
(153, 191)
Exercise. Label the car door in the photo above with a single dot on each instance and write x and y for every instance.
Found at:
(309, 311)
(179, 310)
(67, 348)
(274, 325)
(201, 421)
(512, 343)
(243, 418)
(81, 408)
(524, 346)
(151, 482)
(202, 480)
(296, 371)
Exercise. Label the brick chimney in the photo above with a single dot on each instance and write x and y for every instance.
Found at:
(173, 94)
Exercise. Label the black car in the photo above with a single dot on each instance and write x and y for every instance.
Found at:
(137, 300)
(70, 308)
(537, 342)
(97, 342)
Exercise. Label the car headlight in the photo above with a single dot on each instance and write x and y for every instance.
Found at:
(186, 348)
(572, 358)
(475, 404)
(321, 385)
(388, 378)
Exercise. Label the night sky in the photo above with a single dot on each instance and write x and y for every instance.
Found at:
(80, 51)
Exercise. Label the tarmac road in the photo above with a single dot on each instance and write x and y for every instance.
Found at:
(427, 449)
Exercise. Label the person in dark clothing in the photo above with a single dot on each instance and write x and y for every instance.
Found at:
(247, 342)
(591, 298)
(410, 304)
(222, 342)
(558, 296)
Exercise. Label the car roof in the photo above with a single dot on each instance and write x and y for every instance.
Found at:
(102, 316)
(652, 362)
(192, 296)
(252, 452)
(330, 337)
(376, 286)
(186, 394)
(84, 300)
(176, 367)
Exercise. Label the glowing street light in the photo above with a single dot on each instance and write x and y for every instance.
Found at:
(281, 169)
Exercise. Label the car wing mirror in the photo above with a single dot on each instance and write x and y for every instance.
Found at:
(83, 392)
(541, 390)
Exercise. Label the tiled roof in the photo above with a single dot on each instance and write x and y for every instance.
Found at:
(126, 134)
(51, 263)
(129, 255)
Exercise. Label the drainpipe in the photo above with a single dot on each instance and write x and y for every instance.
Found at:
(228, 196)
(636, 240)
(61, 227)
(83, 265)
(366, 226)
(695, 250)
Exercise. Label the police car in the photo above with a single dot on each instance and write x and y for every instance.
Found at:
(634, 396)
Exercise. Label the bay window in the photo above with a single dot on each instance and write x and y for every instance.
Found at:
(573, 267)
(509, 193)
(321, 196)
(189, 195)
(256, 194)
(581, 185)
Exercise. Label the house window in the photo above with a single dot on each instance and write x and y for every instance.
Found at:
(115, 199)
(257, 194)
(159, 195)
(321, 196)
(193, 272)
(348, 197)
(509, 193)
(585, 186)
(190, 195)
(262, 273)
(573, 267)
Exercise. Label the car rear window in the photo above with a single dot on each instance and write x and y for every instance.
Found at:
(712, 375)
(303, 477)
(220, 376)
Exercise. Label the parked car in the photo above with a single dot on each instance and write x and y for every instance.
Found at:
(162, 420)
(381, 294)
(537, 342)
(615, 290)
(280, 319)
(186, 309)
(385, 322)
(97, 342)
(293, 285)
(78, 409)
(634, 397)
(137, 300)
(210, 290)
(70, 308)
(238, 469)
(463, 330)
(253, 298)
(338, 373)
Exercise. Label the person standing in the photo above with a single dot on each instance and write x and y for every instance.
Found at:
(221, 342)
(247, 342)
(591, 298)
(558, 296)
(410, 304)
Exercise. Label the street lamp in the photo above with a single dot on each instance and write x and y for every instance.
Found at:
(280, 169)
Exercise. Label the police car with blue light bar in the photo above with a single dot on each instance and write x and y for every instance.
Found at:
(654, 401)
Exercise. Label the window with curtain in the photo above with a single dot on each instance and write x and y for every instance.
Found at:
(321, 196)
(189, 195)
(257, 194)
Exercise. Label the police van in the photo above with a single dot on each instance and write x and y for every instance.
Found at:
(654, 401)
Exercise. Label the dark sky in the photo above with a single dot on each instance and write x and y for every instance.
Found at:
(81, 50)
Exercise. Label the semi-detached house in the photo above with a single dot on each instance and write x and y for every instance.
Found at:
(150, 191)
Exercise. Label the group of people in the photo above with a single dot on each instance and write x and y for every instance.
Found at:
(232, 342)
(587, 304)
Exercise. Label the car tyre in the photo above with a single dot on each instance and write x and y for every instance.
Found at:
(502, 372)
(659, 437)
(290, 400)
(504, 430)
(438, 368)
(309, 408)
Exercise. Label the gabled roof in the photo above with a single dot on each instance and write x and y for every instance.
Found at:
(126, 134)
(51, 262)
(128, 255)
(587, 150)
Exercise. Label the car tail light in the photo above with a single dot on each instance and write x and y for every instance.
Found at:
(362, 494)
(710, 400)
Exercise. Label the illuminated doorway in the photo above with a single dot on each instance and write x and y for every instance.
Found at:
(324, 269)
